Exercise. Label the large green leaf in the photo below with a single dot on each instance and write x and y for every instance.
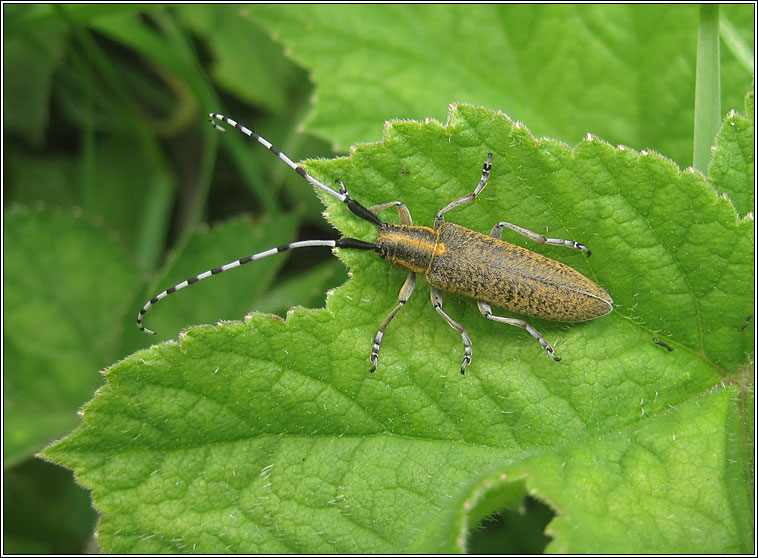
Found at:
(623, 72)
(271, 436)
(64, 285)
(263, 79)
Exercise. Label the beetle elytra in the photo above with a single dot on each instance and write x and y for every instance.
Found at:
(453, 259)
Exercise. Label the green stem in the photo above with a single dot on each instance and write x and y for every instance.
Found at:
(707, 87)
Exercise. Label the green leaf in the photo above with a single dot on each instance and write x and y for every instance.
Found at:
(732, 168)
(29, 63)
(32, 180)
(263, 79)
(64, 283)
(271, 436)
(665, 485)
(649, 490)
(623, 72)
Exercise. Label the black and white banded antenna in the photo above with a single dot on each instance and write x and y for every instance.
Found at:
(342, 195)
(213, 117)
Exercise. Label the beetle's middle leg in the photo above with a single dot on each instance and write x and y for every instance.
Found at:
(486, 311)
(437, 303)
(469, 198)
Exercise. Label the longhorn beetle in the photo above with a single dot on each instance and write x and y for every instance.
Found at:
(452, 258)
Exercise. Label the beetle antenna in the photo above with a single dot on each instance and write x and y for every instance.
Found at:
(349, 243)
(213, 117)
(342, 195)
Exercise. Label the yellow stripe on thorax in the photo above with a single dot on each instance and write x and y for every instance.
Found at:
(408, 246)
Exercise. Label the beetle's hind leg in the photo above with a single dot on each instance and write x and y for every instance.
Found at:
(486, 311)
(405, 293)
(538, 238)
(437, 303)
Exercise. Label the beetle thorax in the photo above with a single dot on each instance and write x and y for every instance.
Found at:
(408, 246)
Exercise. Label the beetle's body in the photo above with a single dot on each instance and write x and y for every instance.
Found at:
(465, 262)
(454, 259)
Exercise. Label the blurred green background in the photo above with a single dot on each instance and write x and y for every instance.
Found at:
(115, 186)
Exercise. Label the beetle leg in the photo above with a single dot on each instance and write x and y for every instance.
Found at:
(538, 238)
(404, 216)
(486, 311)
(437, 303)
(405, 293)
(466, 199)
